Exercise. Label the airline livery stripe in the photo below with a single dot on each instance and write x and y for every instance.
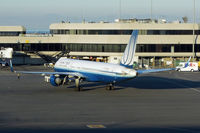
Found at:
(59, 69)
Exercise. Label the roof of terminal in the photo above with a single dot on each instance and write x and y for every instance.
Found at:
(111, 26)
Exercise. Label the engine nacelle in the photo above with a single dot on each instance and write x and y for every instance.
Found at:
(56, 81)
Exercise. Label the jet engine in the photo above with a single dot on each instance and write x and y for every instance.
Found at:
(56, 80)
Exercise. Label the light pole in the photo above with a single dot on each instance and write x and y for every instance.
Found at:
(151, 10)
(194, 20)
(120, 8)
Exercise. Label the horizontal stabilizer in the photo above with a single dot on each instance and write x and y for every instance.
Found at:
(153, 70)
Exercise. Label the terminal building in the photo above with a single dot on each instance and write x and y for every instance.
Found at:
(158, 42)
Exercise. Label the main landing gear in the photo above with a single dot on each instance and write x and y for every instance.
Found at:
(110, 86)
(77, 83)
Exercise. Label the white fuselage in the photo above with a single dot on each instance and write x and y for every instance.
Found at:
(95, 71)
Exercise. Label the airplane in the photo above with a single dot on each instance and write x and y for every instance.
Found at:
(81, 70)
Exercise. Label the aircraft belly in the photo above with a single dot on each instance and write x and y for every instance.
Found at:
(96, 77)
(112, 78)
(106, 79)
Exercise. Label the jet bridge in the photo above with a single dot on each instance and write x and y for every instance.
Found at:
(50, 58)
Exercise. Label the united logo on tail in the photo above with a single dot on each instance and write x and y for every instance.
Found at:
(128, 57)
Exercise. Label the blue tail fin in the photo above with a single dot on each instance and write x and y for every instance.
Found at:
(127, 58)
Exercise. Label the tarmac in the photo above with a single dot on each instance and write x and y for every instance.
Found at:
(160, 102)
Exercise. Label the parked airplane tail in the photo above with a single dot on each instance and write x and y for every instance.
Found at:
(127, 58)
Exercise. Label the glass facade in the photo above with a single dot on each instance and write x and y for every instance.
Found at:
(71, 47)
(124, 32)
(183, 48)
(100, 47)
(153, 48)
(11, 33)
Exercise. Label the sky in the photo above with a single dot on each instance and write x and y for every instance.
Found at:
(39, 14)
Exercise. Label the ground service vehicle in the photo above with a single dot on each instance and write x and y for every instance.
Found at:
(187, 66)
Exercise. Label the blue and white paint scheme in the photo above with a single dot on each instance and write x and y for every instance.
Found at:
(127, 58)
(96, 71)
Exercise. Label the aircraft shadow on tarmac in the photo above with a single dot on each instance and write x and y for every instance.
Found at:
(183, 129)
(146, 82)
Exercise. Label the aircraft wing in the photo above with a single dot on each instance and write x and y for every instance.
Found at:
(153, 70)
(51, 73)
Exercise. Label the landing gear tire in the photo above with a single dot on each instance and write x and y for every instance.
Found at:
(78, 87)
(110, 87)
